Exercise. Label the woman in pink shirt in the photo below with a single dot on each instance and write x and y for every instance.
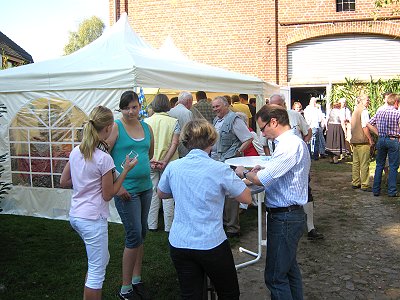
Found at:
(91, 173)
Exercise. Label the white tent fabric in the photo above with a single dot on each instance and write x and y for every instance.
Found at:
(169, 49)
(121, 59)
(95, 75)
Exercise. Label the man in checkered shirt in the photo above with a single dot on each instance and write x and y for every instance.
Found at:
(386, 123)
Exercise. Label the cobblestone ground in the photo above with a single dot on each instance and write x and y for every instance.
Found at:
(359, 257)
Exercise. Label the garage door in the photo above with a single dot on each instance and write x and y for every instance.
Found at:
(332, 58)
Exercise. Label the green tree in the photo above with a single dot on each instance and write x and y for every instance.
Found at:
(392, 5)
(88, 31)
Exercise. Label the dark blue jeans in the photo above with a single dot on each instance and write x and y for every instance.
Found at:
(315, 142)
(133, 214)
(282, 273)
(191, 266)
(390, 147)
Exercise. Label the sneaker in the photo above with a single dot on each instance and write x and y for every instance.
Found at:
(314, 235)
(395, 195)
(141, 291)
(132, 295)
(368, 189)
(354, 187)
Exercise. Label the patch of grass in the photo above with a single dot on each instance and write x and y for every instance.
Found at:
(46, 259)
(323, 165)
(248, 222)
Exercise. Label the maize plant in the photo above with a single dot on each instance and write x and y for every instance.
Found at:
(352, 88)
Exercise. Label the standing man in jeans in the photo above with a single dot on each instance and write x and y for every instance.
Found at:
(285, 178)
(313, 116)
(386, 123)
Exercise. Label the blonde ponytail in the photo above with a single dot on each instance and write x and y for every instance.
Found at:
(99, 118)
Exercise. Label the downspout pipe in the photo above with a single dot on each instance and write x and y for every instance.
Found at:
(116, 2)
(276, 42)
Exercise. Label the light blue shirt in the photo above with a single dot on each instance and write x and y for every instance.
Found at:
(285, 176)
(199, 185)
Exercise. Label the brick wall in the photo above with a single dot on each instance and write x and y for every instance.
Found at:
(291, 11)
(247, 36)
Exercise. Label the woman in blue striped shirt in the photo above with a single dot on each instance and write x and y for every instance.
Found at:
(198, 243)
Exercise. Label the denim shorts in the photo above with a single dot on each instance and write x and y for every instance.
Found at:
(95, 235)
(133, 214)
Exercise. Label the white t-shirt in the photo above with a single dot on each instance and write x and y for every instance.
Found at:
(345, 114)
(313, 116)
(364, 118)
(87, 199)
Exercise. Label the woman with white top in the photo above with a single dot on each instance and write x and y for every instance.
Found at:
(335, 137)
(91, 173)
(198, 243)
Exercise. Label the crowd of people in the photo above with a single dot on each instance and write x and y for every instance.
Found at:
(180, 150)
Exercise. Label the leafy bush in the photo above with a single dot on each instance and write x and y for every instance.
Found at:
(352, 88)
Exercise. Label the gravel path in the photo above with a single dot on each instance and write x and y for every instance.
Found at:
(359, 257)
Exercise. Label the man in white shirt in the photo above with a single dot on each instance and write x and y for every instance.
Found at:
(285, 178)
(303, 131)
(314, 117)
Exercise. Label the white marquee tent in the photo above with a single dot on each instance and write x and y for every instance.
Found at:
(47, 102)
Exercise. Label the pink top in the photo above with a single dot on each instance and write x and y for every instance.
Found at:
(87, 199)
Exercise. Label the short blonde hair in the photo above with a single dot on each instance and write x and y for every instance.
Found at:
(392, 98)
(198, 134)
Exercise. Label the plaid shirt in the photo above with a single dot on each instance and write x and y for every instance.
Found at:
(205, 108)
(387, 121)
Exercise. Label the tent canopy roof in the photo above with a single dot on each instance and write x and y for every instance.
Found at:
(120, 59)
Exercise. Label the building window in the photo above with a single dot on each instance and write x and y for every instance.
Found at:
(345, 5)
(42, 135)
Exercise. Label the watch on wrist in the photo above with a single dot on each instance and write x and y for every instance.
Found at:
(245, 173)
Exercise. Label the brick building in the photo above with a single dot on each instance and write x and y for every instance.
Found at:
(304, 46)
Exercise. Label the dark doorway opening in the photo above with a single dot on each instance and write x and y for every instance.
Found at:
(303, 95)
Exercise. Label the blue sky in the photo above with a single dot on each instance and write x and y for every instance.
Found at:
(41, 27)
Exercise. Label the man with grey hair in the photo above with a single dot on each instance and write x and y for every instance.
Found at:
(182, 112)
(296, 120)
(300, 128)
(233, 138)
